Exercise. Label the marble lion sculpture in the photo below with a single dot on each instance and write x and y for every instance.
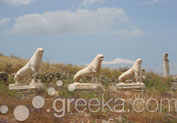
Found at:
(92, 68)
(32, 67)
(134, 71)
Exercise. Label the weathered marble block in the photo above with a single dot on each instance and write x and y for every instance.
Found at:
(135, 89)
(174, 86)
(85, 86)
(32, 85)
(174, 83)
(132, 85)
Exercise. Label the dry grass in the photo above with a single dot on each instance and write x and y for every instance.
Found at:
(13, 64)
(156, 87)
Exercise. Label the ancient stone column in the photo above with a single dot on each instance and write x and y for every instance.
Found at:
(166, 65)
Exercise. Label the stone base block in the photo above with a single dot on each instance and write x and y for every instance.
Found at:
(135, 89)
(85, 86)
(174, 86)
(133, 85)
(32, 85)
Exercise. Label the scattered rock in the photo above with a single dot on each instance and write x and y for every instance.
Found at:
(119, 118)
(174, 79)
(174, 86)
(3, 76)
(44, 77)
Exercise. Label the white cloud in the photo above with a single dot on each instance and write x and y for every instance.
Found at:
(4, 21)
(147, 2)
(110, 21)
(89, 2)
(18, 2)
(155, 1)
(152, 2)
(118, 61)
(139, 2)
(128, 33)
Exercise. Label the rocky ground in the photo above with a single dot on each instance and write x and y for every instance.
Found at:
(41, 115)
(14, 98)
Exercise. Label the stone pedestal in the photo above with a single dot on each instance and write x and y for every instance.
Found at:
(174, 83)
(174, 86)
(137, 87)
(133, 85)
(32, 85)
(85, 86)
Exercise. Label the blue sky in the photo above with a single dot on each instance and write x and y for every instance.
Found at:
(75, 31)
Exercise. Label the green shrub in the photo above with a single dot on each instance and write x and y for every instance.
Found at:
(155, 81)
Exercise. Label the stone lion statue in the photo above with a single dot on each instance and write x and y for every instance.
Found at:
(92, 68)
(32, 67)
(134, 71)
